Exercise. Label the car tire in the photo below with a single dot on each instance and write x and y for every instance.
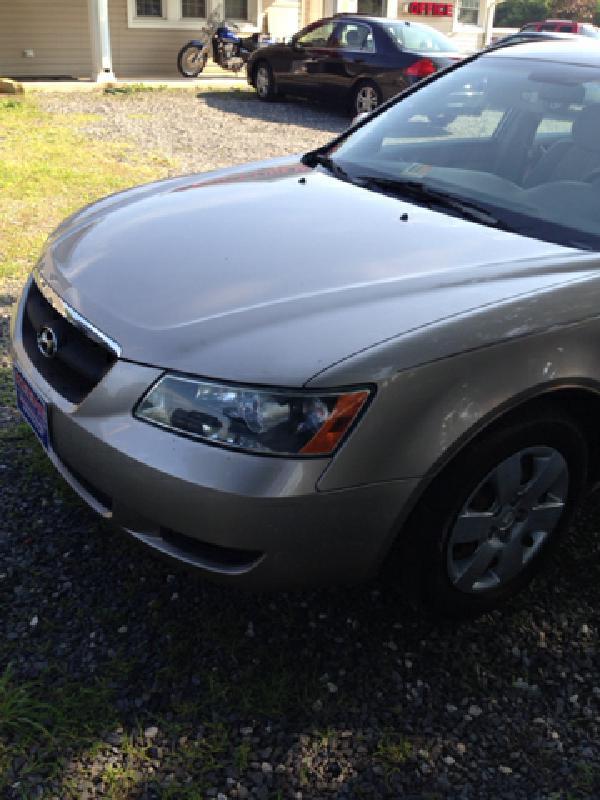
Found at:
(366, 96)
(264, 82)
(473, 541)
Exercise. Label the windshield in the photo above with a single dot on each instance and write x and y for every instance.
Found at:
(518, 138)
(420, 38)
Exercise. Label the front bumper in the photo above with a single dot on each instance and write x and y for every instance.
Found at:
(257, 521)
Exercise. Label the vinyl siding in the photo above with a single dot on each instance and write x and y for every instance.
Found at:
(312, 10)
(56, 30)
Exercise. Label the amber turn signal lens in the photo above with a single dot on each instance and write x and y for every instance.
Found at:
(344, 413)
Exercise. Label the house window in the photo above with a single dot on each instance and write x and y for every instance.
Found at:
(148, 8)
(372, 8)
(193, 8)
(183, 14)
(468, 12)
(236, 9)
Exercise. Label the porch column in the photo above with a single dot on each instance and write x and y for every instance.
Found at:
(487, 13)
(391, 9)
(102, 69)
(259, 15)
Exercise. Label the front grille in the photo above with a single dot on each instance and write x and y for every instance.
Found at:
(79, 364)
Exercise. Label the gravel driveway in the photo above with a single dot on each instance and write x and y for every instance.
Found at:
(216, 128)
(163, 685)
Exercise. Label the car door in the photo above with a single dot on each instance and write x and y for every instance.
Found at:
(308, 52)
(353, 55)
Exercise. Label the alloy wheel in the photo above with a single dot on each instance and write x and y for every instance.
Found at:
(263, 81)
(366, 99)
(507, 519)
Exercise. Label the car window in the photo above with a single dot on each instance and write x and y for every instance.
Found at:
(454, 123)
(353, 36)
(553, 125)
(317, 37)
(419, 38)
(565, 28)
(549, 26)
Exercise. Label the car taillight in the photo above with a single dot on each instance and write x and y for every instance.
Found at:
(421, 68)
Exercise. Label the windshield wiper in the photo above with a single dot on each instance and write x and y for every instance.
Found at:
(320, 159)
(434, 197)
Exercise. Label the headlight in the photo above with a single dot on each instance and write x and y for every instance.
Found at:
(259, 420)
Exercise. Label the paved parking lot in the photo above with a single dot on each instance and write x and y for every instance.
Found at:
(131, 679)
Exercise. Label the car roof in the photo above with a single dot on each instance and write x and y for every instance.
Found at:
(547, 34)
(535, 36)
(371, 19)
(570, 51)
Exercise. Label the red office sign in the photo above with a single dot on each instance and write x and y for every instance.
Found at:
(431, 9)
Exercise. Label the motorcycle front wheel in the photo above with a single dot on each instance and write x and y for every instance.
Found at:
(191, 60)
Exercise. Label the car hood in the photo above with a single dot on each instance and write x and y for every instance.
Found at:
(272, 272)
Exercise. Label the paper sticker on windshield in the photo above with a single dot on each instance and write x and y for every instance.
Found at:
(418, 169)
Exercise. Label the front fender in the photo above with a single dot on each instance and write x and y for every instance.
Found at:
(421, 417)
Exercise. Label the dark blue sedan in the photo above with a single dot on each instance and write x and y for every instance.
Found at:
(351, 59)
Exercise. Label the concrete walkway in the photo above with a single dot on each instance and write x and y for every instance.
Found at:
(212, 76)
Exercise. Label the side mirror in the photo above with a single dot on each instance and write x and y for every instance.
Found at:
(359, 117)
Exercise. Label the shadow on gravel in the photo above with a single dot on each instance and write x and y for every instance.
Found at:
(7, 300)
(297, 112)
(130, 678)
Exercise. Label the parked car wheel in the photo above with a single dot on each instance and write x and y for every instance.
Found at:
(191, 60)
(494, 514)
(365, 98)
(264, 82)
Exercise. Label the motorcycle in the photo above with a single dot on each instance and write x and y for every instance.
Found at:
(219, 39)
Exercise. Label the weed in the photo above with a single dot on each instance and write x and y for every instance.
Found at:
(393, 752)
(242, 756)
(39, 719)
(11, 105)
(134, 88)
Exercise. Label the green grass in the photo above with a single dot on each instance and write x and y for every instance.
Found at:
(40, 720)
(7, 391)
(242, 756)
(48, 169)
(134, 88)
(392, 753)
